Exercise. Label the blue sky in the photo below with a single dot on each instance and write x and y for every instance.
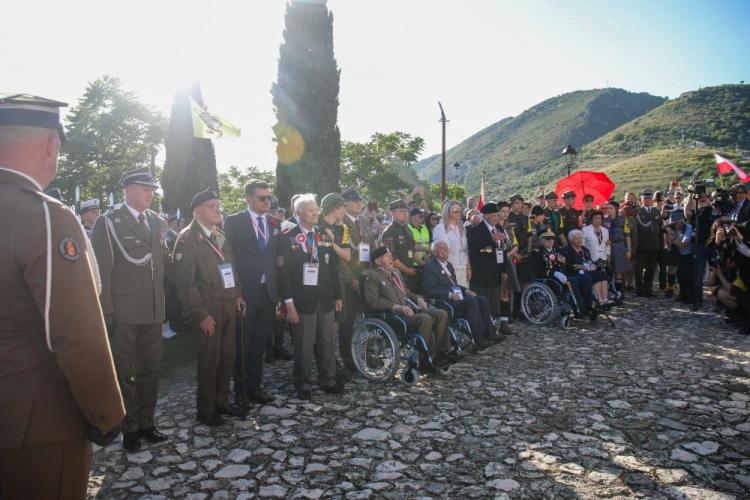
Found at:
(483, 59)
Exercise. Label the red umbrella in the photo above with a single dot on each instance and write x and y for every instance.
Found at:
(583, 183)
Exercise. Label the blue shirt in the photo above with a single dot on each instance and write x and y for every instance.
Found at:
(684, 237)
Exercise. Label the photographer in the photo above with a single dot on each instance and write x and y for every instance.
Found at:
(700, 213)
(730, 271)
(678, 236)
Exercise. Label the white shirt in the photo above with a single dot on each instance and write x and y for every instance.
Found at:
(458, 244)
(591, 241)
(490, 227)
(136, 213)
(206, 230)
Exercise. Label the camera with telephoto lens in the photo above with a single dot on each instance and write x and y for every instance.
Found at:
(723, 201)
(696, 187)
(729, 231)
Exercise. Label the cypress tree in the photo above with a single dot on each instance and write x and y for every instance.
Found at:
(306, 102)
(190, 165)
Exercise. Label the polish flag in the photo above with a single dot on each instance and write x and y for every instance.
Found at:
(481, 196)
(725, 166)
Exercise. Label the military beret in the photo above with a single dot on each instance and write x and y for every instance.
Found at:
(550, 196)
(379, 252)
(202, 197)
(416, 211)
(647, 193)
(569, 194)
(537, 210)
(351, 194)
(88, 205)
(32, 111)
(489, 208)
(56, 194)
(515, 197)
(398, 205)
(138, 176)
(331, 201)
(547, 233)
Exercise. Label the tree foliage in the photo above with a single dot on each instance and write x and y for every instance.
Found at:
(453, 191)
(190, 166)
(109, 132)
(381, 168)
(305, 99)
(232, 186)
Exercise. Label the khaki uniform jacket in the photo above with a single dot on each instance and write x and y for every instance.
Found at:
(133, 293)
(382, 292)
(56, 370)
(196, 270)
(353, 269)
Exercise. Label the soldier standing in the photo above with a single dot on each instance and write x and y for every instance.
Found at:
(519, 223)
(58, 383)
(569, 216)
(132, 253)
(648, 227)
(206, 277)
(401, 243)
(362, 243)
(552, 217)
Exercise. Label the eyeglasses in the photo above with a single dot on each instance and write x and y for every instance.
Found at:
(433, 218)
(455, 210)
(215, 208)
(263, 197)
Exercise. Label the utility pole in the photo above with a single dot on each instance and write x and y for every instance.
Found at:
(443, 120)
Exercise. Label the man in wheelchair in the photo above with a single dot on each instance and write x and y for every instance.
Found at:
(440, 283)
(385, 291)
(548, 262)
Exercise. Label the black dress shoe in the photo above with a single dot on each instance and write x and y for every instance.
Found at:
(131, 442)
(260, 397)
(482, 345)
(337, 388)
(231, 411)
(303, 395)
(152, 435)
(211, 420)
(269, 357)
(283, 354)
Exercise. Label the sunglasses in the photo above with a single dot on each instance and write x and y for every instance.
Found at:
(455, 210)
(264, 197)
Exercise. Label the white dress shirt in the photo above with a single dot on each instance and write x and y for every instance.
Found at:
(136, 213)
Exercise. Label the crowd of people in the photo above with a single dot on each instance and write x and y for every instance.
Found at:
(238, 280)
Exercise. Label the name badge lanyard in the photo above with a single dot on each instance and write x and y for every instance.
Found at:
(312, 251)
(599, 236)
(447, 273)
(216, 249)
(397, 281)
(260, 231)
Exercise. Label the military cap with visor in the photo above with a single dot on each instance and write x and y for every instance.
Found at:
(416, 211)
(204, 196)
(138, 176)
(647, 193)
(398, 205)
(331, 201)
(550, 196)
(28, 110)
(351, 194)
(88, 205)
(548, 233)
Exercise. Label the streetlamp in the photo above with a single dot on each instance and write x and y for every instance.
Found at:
(569, 153)
(456, 166)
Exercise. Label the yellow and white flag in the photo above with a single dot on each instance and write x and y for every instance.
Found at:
(210, 126)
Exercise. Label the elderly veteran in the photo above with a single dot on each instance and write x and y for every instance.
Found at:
(385, 290)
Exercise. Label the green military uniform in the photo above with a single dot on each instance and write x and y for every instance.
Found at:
(385, 290)
(400, 241)
(132, 256)
(362, 243)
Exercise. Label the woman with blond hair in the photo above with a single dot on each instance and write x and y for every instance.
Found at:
(452, 232)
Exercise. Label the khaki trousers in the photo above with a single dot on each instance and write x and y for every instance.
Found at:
(55, 471)
(432, 325)
(136, 350)
(216, 356)
(313, 334)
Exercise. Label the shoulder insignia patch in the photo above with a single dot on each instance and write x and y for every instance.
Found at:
(69, 249)
(345, 239)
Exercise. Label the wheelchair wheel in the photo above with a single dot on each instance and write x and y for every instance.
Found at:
(539, 304)
(410, 376)
(565, 322)
(376, 350)
(462, 333)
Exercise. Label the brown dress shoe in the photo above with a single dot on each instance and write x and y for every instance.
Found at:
(260, 397)
(505, 328)
(238, 401)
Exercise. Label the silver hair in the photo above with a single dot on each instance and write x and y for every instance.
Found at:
(434, 245)
(574, 232)
(304, 199)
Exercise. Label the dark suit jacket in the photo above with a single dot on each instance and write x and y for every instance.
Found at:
(293, 257)
(437, 285)
(485, 271)
(744, 214)
(251, 263)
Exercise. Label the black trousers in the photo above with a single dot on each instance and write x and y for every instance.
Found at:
(493, 297)
(662, 262)
(645, 267)
(685, 276)
(477, 312)
(258, 325)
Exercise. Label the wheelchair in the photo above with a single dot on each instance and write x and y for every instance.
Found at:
(383, 340)
(546, 300)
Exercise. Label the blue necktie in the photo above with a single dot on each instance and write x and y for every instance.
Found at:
(261, 236)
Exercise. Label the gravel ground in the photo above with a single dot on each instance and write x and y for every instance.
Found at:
(656, 407)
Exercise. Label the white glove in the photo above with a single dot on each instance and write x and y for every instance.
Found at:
(561, 277)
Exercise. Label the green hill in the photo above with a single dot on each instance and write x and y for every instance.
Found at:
(524, 151)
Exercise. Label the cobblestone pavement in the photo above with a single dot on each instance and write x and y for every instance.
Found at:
(654, 408)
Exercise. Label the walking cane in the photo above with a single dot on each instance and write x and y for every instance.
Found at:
(242, 358)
